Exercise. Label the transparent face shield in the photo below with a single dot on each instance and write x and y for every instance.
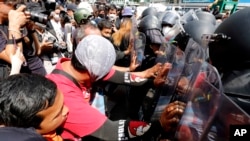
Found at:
(174, 31)
(194, 52)
(189, 16)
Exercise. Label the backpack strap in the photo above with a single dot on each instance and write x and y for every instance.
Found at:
(57, 71)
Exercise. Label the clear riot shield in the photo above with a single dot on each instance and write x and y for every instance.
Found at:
(177, 58)
(139, 46)
(229, 114)
(194, 55)
(203, 99)
(209, 113)
(194, 52)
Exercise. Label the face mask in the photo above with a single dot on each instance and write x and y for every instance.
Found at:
(112, 17)
(165, 30)
(56, 17)
(101, 15)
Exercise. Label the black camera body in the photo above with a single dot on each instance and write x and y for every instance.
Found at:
(56, 45)
(39, 11)
(37, 16)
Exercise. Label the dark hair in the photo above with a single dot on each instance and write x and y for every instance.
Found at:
(76, 64)
(112, 7)
(22, 96)
(64, 17)
(104, 23)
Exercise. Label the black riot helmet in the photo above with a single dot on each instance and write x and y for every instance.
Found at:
(206, 16)
(231, 49)
(195, 29)
(149, 11)
(149, 22)
(160, 15)
(170, 18)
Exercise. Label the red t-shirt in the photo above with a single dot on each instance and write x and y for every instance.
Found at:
(82, 118)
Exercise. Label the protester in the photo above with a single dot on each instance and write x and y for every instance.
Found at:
(91, 61)
(118, 94)
(151, 28)
(123, 43)
(34, 102)
(82, 17)
(113, 17)
(127, 12)
(105, 27)
(234, 70)
(20, 134)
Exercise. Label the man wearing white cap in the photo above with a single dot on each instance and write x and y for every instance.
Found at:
(92, 61)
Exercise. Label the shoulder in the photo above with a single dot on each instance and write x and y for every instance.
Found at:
(20, 134)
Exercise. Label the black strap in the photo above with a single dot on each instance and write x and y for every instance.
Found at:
(57, 71)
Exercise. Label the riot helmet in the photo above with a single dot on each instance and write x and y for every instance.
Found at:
(168, 21)
(231, 47)
(170, 18)
(149, 11)
(82, 15)
(206, 16)
(196, 29)
(149, 22)
(160, 15)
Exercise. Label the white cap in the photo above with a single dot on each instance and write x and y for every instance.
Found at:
(97, 54)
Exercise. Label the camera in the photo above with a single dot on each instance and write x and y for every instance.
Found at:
(56, 45)
(39, 11)
(37, 16)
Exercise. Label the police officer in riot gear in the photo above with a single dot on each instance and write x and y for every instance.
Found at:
(149, 11)
(229, 53)
(168, 21)
(151, 27)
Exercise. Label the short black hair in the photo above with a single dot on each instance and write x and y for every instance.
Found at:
(104, 23)
(112, 7)
(22, 96)
(76, 64)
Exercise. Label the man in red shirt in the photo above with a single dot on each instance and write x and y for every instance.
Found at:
(92, 61)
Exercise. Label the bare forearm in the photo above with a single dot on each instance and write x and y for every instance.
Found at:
(122, 69)
(36, 43)
(14, 32)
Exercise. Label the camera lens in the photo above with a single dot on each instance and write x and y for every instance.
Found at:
(38, 17)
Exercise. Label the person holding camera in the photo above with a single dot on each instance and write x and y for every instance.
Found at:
(13, 34)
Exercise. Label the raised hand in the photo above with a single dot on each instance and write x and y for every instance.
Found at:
(18, 18)
(171, 115)
(161, 74)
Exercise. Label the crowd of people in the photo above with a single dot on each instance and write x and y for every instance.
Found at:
(71, 70)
